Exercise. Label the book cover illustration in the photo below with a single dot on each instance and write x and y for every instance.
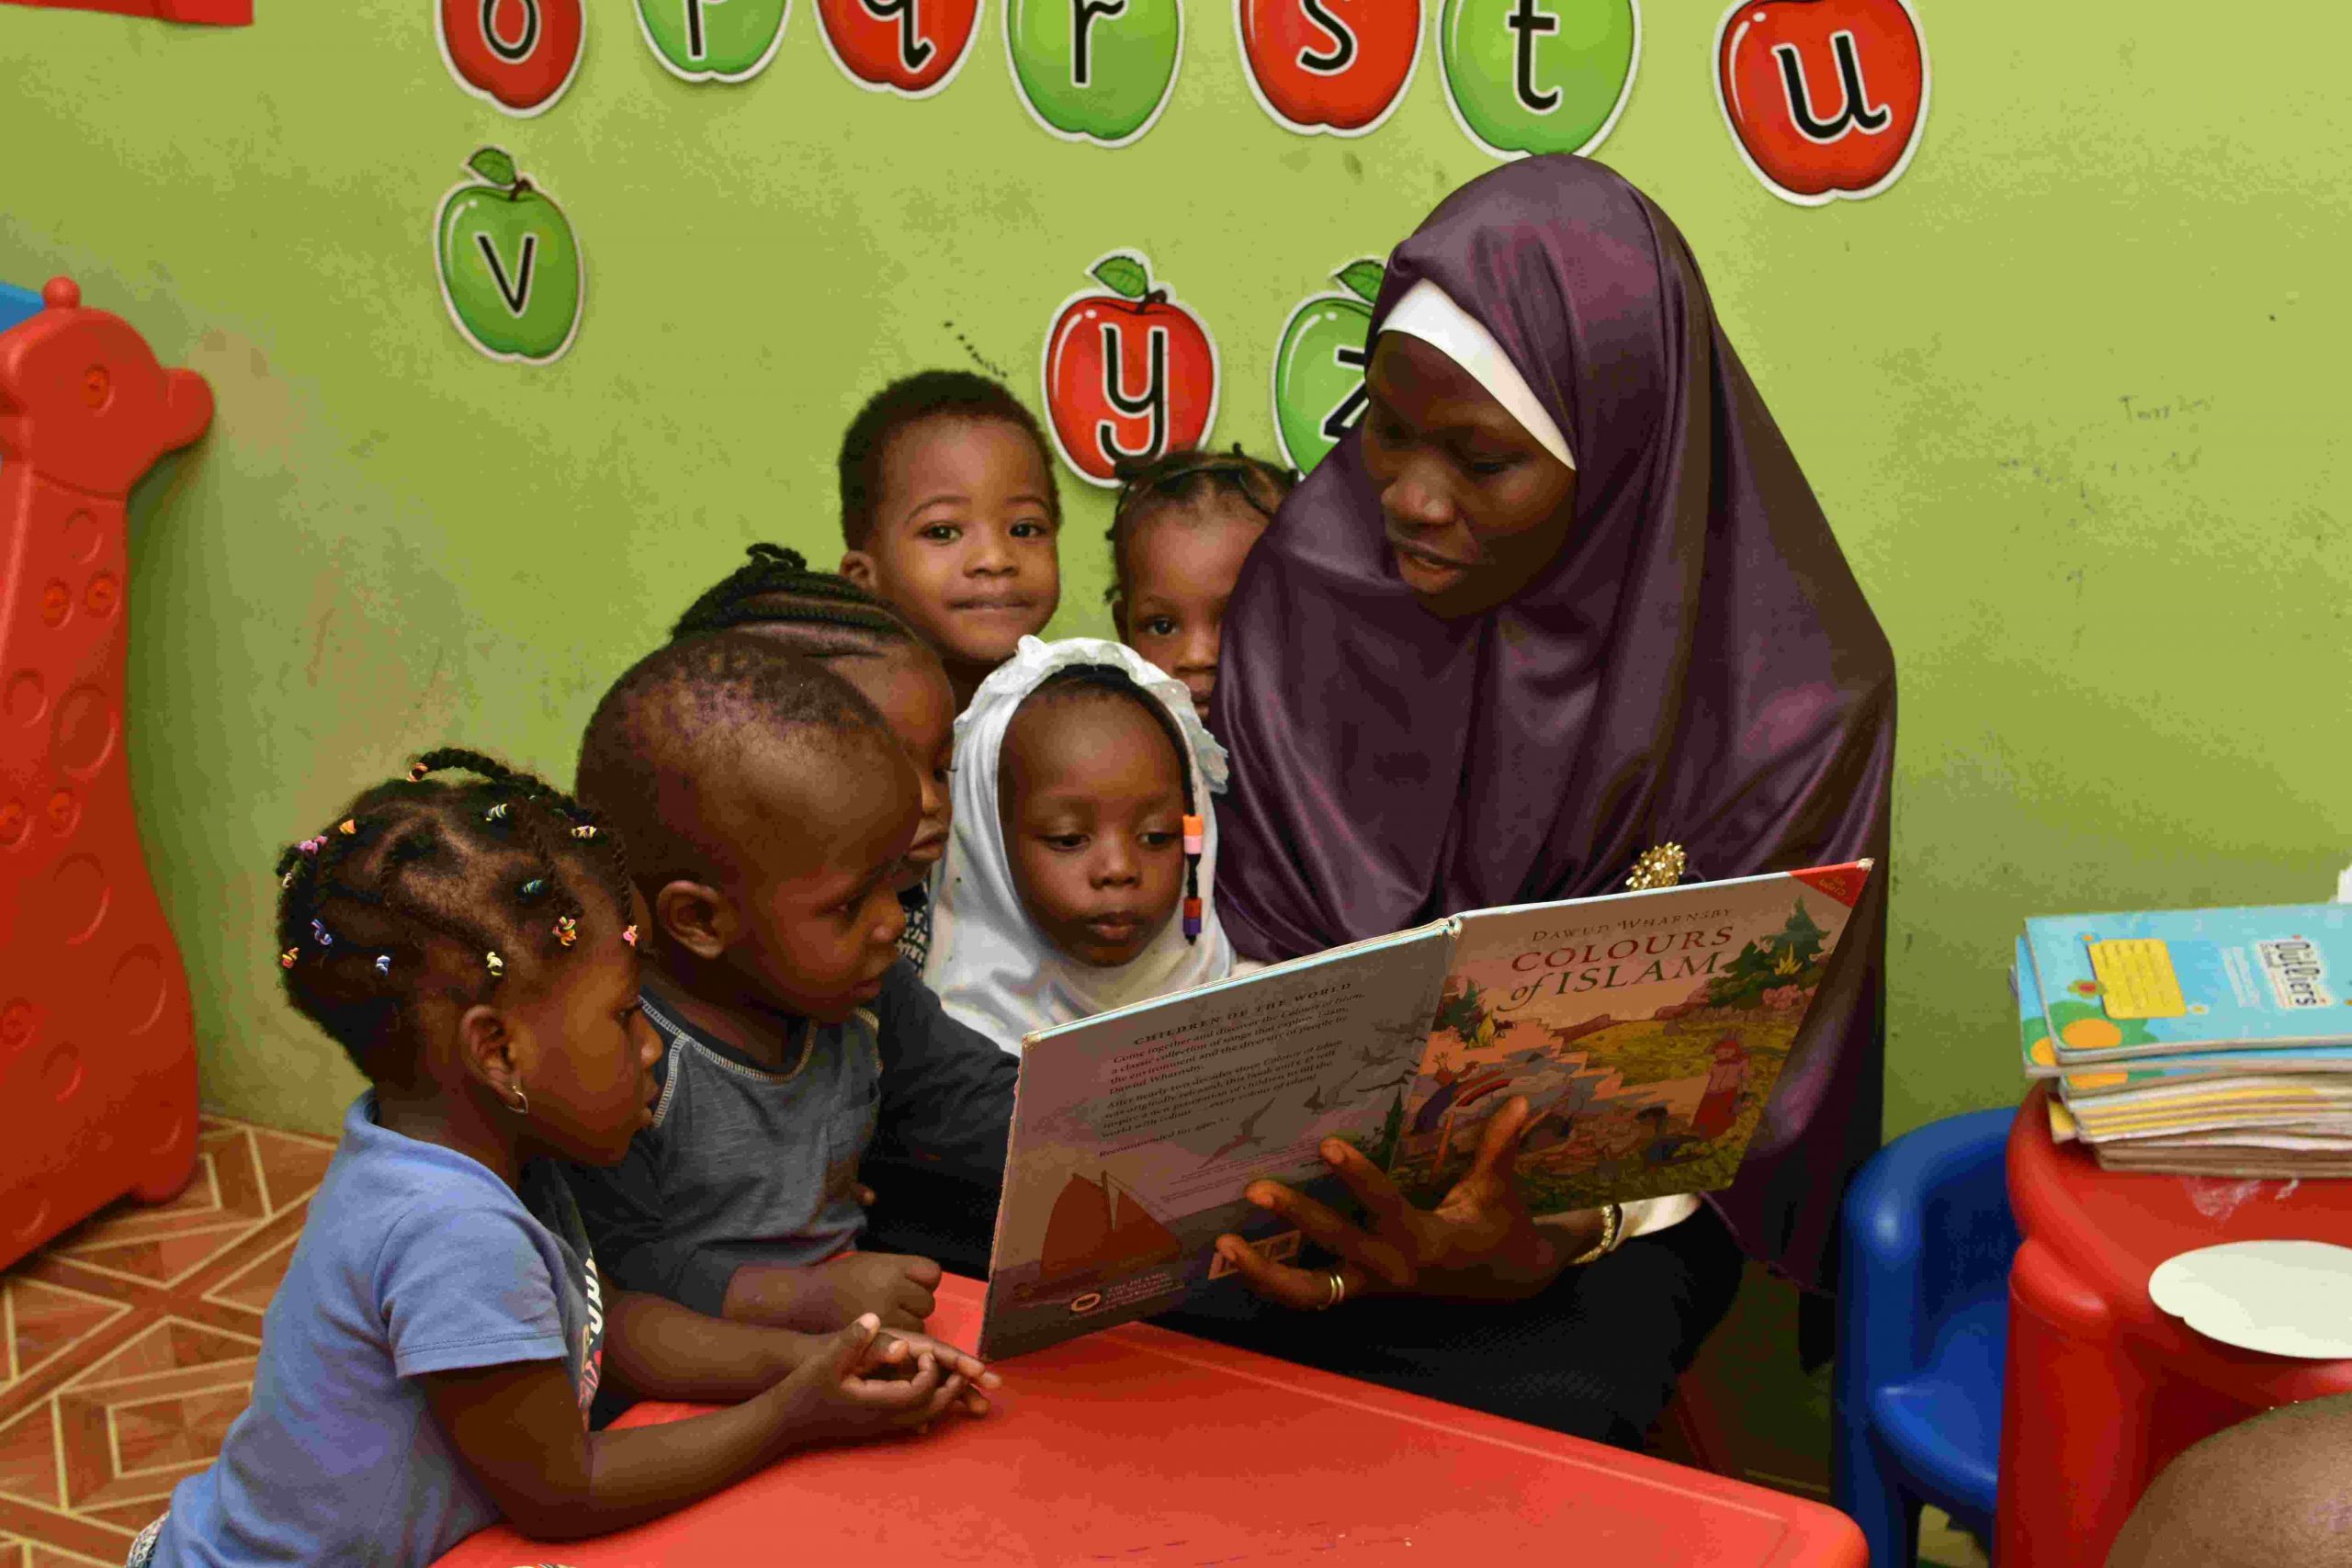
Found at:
(1647, 1032)
(1136, 1132)
(2155, 983)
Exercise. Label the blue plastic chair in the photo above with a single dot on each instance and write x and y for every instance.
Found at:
(1923, 1325)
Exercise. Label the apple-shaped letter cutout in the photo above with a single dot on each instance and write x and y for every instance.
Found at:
(510, 272)
(1130, 374)
(912, 48)
(1538, 76)
(1096, 71)
(515, 55)
(1335, 66)
(1318, 367)
(1825, 99)
(713, 41)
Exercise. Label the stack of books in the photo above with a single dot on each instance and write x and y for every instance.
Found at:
(2210, 1042)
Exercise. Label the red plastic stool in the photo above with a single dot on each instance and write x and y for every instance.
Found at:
(2103, 1388)
(98, 1045)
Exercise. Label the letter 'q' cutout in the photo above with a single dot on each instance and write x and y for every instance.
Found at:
(911, 47)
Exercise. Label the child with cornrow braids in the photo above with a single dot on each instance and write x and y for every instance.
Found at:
(831, 621)
(430, 1361)
(1181, 529)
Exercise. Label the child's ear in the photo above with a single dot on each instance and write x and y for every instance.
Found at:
(696, 918)
(858, 566)
(486, 1049)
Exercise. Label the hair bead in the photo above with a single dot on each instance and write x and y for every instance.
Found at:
(320, 934)
(1195, 836)
(628, 935)
(348, 827)
(416, 772)
(1192, 920)
(383, 963)
(585, 831)
(566, 930)
(497, 965)
(286, 959)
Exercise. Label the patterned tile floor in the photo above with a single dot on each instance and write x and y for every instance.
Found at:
(130, 1345)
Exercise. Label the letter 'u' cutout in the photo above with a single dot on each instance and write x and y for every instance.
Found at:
(1825, 99)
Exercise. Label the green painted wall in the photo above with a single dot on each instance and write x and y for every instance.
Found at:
(2068, 393)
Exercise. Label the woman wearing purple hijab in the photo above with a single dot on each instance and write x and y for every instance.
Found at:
(1561, 596)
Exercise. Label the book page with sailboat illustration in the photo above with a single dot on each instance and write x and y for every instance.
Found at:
(1646, 1029)
(1135, 1132)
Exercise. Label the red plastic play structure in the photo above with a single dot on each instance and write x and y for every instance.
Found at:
(97, 1047)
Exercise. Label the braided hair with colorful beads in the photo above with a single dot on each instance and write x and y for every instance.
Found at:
(1079, 680)
(444, 889)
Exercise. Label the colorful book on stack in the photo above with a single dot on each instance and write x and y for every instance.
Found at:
(1645, 1030)
(2215, 1041)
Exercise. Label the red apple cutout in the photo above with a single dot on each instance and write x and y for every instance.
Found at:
(1129, 373)
(1825, 99)
(519, 56)
(1328, 66)
(912, 48)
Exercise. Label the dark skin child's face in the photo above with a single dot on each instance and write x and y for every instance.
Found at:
(909, 687)
(1473, 506)
(1092, 802)
(962, 539)
(808, 919)
(1182, 560)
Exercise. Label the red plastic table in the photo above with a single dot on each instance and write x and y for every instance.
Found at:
(1137, 1445)
(2103, 1388)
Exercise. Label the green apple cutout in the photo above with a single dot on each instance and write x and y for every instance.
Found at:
(510, 272)
(1318, 368)
(1526, 76)
(1098, 71)
(713, 41)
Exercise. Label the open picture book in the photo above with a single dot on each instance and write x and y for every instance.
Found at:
(1646, 1029)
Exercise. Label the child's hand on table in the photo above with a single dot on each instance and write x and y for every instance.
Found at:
(836, 1396)
(830, 1295)
(895, 1354)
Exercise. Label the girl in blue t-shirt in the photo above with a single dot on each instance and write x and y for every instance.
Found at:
(429, 1363)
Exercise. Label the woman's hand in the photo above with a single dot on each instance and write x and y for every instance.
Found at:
(1478, 1243)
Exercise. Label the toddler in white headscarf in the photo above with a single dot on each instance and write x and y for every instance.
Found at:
(1080, 874)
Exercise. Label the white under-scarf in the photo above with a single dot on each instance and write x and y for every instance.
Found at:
(992, 967)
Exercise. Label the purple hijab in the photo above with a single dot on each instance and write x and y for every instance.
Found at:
(1696, 666)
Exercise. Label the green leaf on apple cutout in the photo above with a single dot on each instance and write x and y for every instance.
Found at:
(493, 165)
(1124, 275)
(1362, 279)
